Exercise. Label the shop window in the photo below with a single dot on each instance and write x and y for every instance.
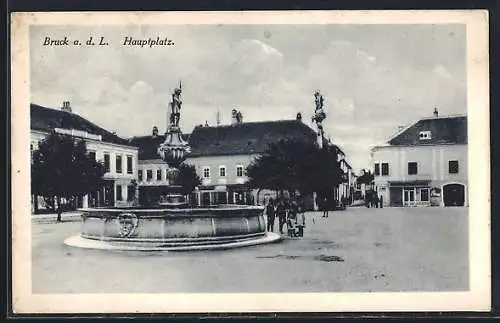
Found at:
(424, 195)
(119, 196)
(453, 167)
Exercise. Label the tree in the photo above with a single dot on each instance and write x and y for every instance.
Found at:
(62, 168)
(366, 178)
(295, 165)
(187, 179)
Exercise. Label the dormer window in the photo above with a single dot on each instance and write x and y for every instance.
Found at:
(425, 135)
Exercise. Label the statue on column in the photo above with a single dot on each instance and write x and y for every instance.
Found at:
(319, 114)
(175, 105)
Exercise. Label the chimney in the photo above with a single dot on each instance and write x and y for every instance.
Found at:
(239, 117)
(436, 114)
(66, 106)
(155, 132)
(234, 115)
(218, 118)
(299, 116)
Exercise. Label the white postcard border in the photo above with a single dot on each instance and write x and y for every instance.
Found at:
(477, 299)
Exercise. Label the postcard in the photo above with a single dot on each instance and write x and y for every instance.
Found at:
(245, 161)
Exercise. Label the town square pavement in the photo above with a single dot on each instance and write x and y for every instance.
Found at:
(357, 250)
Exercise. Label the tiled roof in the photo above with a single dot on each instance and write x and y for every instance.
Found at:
(148, 145)
(246, 138)
(46, 119)
(444, 130)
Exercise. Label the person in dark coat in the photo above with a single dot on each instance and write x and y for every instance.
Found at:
(325, 207)
(271, 215)
(381, 200)
(375, 200)
(281, 214)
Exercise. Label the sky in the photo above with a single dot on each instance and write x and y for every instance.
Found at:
(374, 78)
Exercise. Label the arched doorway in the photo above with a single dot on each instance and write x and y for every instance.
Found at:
(454, 195)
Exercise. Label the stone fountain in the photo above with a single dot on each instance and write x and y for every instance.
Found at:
(170, 225)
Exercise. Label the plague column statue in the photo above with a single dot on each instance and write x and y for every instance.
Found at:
(319, 116)
(174, 151)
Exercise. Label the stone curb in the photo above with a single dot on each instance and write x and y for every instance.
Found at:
(79, 242)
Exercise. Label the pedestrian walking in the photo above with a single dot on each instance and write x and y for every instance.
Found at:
(375, 200)
(271, 215)
(381, 200)
(325, 207)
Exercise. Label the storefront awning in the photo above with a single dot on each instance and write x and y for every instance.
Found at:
(409, 183)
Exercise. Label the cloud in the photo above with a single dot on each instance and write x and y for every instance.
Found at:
(371, 82)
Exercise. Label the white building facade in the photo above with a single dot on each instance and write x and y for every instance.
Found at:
(425, 164)
(119, 158)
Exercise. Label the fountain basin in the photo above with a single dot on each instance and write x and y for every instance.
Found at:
(158, 228)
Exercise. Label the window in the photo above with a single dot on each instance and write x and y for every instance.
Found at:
(385, 169)
(222, 171)
(424, 194)
(139, 174)
(106, 162)
(158, 174)
(206, 172)
(239, 171)
(130, 192)
(92, 154)
(425, 135)
(453, 167)
(412, 168)
(118, 164)
(119, 196)
(149, 175)
(377, 169)
(129, 165)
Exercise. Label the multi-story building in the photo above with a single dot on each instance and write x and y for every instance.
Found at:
(346, 188)
(221, 155)
(424, 164)
(120, 158)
